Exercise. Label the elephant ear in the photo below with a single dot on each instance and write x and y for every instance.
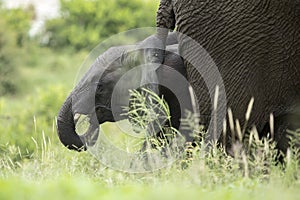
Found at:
(173, 65)
(172, 39)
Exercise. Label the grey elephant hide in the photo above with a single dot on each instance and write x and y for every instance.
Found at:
(254, 44)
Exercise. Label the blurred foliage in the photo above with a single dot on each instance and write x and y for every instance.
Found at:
(33, 117)
(47, 77)
(18, 20)
(15, 24)
(84, 23)
(7, 67)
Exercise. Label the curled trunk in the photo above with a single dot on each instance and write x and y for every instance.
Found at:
(66, 127)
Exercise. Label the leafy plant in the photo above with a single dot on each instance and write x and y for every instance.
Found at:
(84, 23)
(15, 24)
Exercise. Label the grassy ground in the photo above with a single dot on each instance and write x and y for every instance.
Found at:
(53, 172)
(82, 189)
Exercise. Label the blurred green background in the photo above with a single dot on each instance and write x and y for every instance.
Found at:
(38, 71)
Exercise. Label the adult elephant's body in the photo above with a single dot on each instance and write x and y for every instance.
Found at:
(254, 44)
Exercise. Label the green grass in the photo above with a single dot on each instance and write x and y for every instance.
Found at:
(51, 171)
(44, 79)
(78, 188)
(54, 172)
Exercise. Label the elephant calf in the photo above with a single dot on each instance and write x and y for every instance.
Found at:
(92, 96)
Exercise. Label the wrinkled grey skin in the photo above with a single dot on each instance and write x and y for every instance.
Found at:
(256, 47)
(94, 92)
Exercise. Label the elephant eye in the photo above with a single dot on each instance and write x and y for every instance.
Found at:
(99, 84)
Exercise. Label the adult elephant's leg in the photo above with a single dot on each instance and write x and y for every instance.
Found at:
(284, 134)
(165, 19)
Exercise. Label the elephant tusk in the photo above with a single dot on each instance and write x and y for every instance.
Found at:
(76, 117)
(82, 123)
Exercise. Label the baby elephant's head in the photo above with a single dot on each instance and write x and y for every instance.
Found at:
(90, 103)
(153, 50)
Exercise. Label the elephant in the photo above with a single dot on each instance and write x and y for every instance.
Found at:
(256, 48)
(78, 101)
(92, 96)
